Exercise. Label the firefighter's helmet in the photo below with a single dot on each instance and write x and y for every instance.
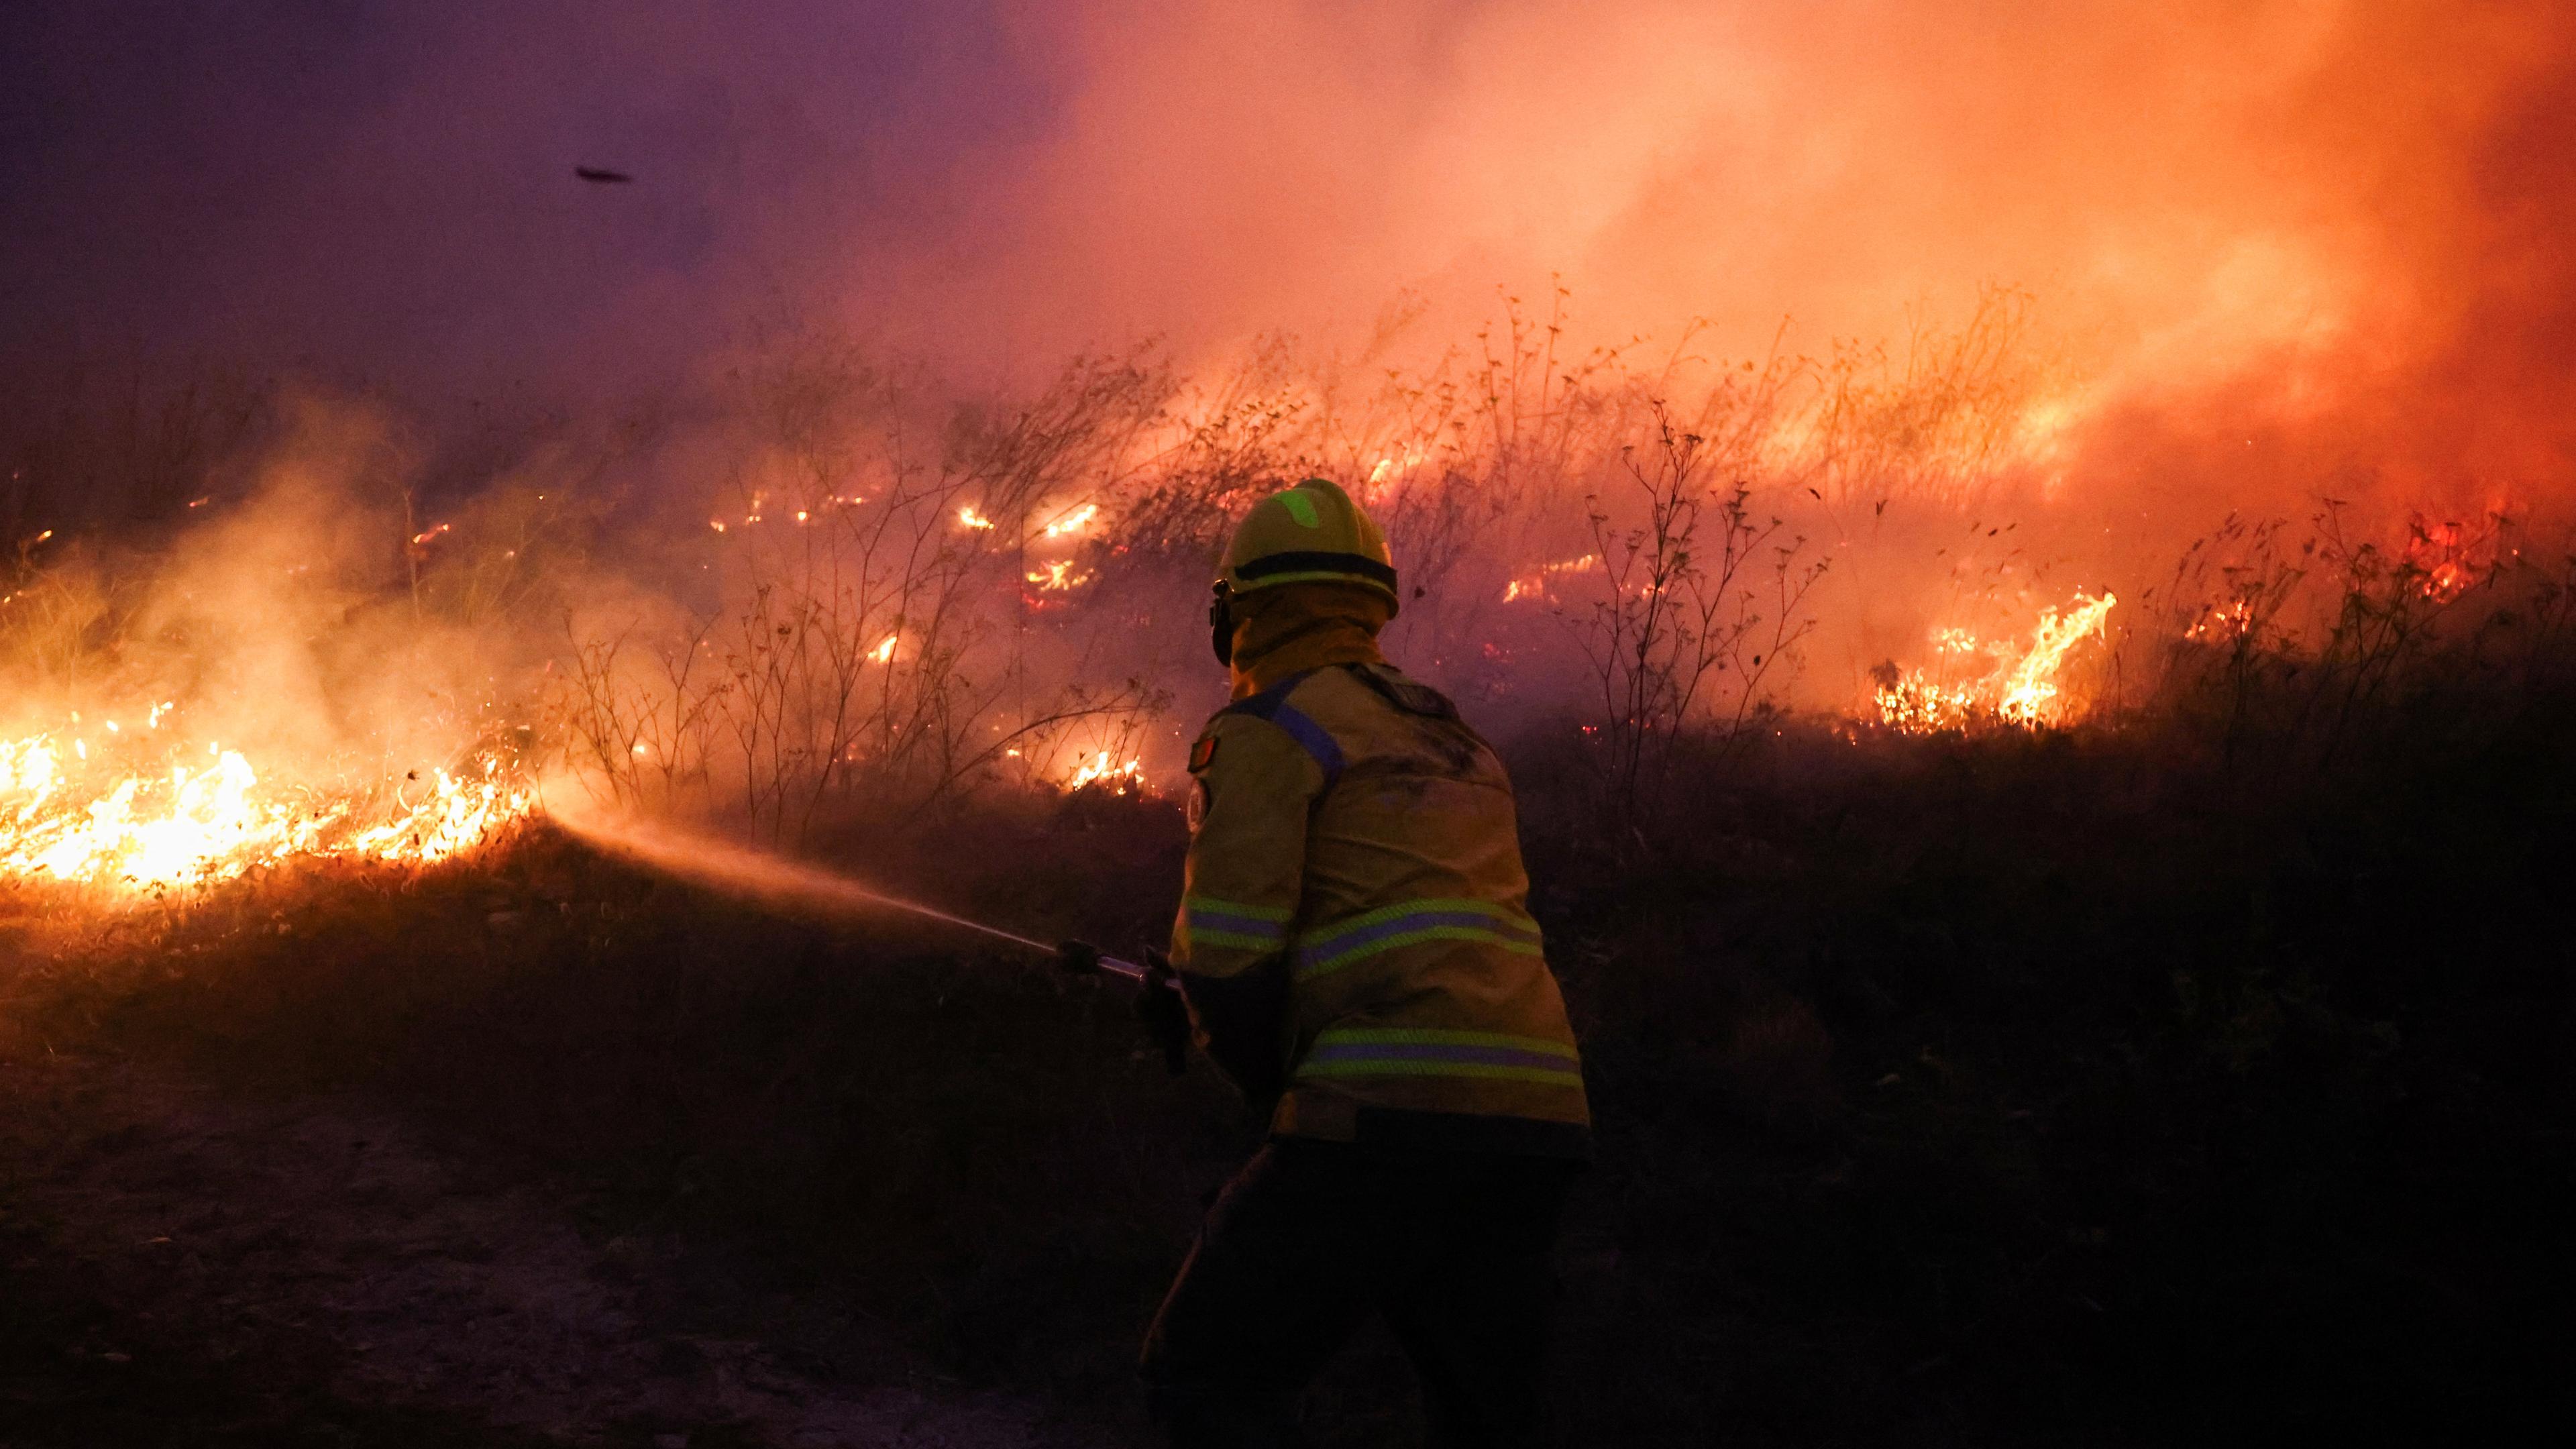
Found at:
(1312, 533)
(1308, 534)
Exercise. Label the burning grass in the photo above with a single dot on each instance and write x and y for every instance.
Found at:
(2017, 685)
(146, 813)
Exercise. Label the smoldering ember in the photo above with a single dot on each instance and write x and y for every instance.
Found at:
(1457, 722)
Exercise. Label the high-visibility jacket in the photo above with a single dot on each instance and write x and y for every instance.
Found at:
(1354, 933)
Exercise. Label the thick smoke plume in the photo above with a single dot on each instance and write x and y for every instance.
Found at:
(2192, 191)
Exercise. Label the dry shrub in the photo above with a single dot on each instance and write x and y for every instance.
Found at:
(2288, 648)
(860, 655)
(1675, 610)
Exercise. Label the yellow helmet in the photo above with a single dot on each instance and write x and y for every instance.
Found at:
(1304, 535)
(1309, 534)
(1312, 533)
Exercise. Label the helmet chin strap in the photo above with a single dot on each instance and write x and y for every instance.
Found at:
(1221, 623)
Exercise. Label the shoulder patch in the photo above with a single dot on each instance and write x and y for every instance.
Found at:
(1203, 754)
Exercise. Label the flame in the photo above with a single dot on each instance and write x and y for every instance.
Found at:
(1073, 522)
(2451, 557)
(2448, 580)
(884, 652)
(1381, 479)
(2225, 621)
(1059, 576)
(2021, 689)
(1117, 779)
(972, 519)
(1534, 584)
(133, 825)
(2030, 694)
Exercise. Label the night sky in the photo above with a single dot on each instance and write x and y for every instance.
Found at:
(390, 187)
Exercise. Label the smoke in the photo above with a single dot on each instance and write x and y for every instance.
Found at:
(290, 621)
(2189, 188)
(2339, 227)
(2438, 379)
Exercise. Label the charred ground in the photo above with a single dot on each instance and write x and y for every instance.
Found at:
(2128, 1084)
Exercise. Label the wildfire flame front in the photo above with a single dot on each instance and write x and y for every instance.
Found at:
(119, 824)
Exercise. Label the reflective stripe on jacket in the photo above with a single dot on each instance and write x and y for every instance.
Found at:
(1354, 931)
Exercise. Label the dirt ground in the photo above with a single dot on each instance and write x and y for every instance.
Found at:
(182, 1267)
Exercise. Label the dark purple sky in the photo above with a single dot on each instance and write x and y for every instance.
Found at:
(387, 189)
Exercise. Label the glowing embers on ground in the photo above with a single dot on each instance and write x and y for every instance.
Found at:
(2017, 685)
(139, 810)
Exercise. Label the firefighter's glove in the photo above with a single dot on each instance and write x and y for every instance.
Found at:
(1165, 1015)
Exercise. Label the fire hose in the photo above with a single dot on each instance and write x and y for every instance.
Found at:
(1159, 1007)
(760, 876)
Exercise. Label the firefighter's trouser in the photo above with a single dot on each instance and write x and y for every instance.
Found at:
(1311, 1237)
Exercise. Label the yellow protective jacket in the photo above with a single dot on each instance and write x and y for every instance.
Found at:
(1354, 933)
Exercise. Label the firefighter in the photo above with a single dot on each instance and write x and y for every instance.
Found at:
(1354, 944)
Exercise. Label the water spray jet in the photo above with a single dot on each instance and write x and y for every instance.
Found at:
(759, 876)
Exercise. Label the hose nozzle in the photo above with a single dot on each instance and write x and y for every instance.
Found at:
(1081, 958)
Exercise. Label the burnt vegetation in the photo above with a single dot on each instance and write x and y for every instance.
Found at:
(2198, 1067)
